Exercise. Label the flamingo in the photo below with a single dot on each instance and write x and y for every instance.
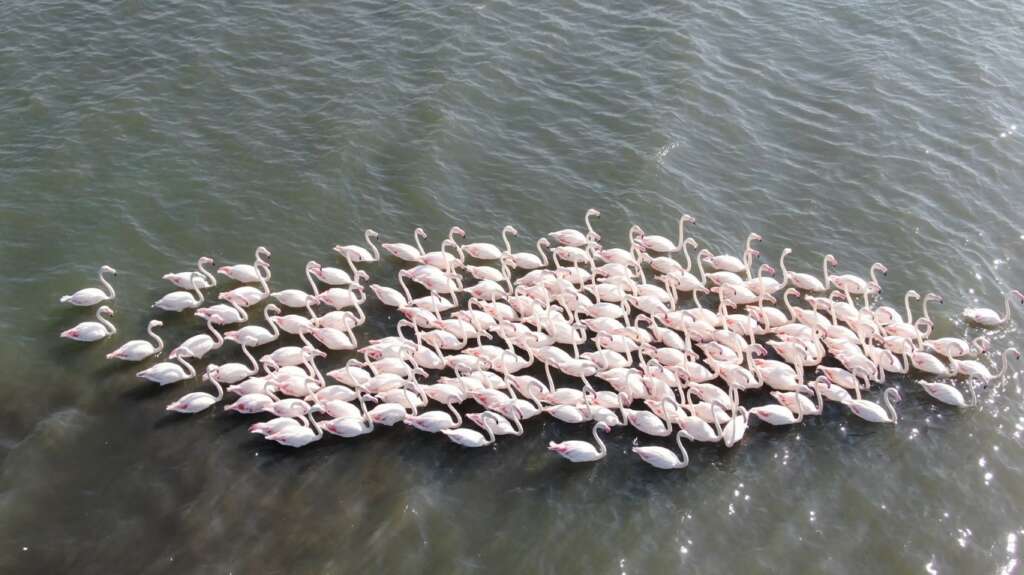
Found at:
(198, 346)
(89, 331)
(255, 335)
(948, 394)
(140, 349)
(486, 251)
(183, 280)
(224, 314)
(329, 275)
(857, 285)
(247, 274)
(435, 421)
(527, 260)
(272, 426)
(177, 301)
(233, 372)
(972, 368)
(472, 438)
(871, 411)
(986, 317)
(407, 252)
(664, 458)
(168, 372)
(197, 400)
(581, 451)
(358, 254)
(298, 436)
(807, 282)
(349, 426)
(661, 243)
(86, 297)
(574, 238)
(246, 296)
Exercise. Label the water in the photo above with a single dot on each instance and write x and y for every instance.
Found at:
(146, 134)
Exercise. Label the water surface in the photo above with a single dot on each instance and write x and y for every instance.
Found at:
(144, 134)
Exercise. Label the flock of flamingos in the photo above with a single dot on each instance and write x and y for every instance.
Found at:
(611, 318)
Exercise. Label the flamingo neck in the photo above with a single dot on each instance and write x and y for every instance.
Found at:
(416, 238)
(111, 295)
(220, 390)
(685, 457)
(373, 246)
(273, 326)
(782, 266)
(602, 450)
(889, 408)
(210, 278)
(312, 284)
(191, 371)
(109, 327)
(159, 341)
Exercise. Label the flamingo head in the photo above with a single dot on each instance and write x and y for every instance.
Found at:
(1019, 295)
(832, 261)
(108, 270)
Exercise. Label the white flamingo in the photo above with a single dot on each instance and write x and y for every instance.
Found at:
(140, 349)
(197, 400)
(990, 318)
(664, 458)
(582, 451)
(183, 280)
(89, 331)
(246, 273)
(91, 296)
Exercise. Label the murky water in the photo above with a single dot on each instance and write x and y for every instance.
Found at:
(144, 134)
